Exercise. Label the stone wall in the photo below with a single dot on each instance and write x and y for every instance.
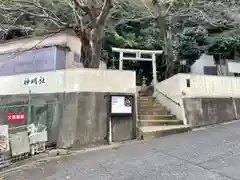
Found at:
(208, 111)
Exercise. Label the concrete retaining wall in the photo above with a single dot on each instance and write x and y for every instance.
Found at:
(77, 119)
(208, 111)
(195, 87)
(80, 113)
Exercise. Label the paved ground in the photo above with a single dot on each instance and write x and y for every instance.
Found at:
(212, 154)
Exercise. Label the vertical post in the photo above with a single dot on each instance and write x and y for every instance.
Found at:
(29, 116)
(109, 119)
(110, 131)
(235, 108)
(138, 55)
(154, 68)
(121, 61)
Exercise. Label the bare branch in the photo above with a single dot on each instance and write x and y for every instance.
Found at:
(168, 9)
(86, 17)
(107, 6)
(84, 7)
(45, 10)
(27, 12)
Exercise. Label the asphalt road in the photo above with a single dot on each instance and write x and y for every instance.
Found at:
(211, 154)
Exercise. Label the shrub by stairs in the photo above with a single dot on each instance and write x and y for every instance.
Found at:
(155, 120)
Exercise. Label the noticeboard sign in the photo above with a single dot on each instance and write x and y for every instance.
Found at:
(121, 105)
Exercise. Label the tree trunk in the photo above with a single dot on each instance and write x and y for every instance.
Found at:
(165, 31)
(91, 47)
(168, 49)
(91, 37)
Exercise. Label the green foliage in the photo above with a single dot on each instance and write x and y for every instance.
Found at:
(132, 31)
(194, 41)
(127, 10)
(135, 36)
(191, 44)
(226, 46)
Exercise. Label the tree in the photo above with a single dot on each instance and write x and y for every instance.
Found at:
(191, 44)
(87, 18)
(166, 10)
(226, 47)
(134, 29)
(173, 16)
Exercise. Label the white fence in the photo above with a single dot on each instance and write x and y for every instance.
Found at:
(213, 86)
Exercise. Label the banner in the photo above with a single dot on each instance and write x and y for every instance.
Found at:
(15, 117)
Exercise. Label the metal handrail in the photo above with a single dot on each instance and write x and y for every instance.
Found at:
(168, 97)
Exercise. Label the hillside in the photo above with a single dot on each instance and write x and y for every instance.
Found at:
(182, 28)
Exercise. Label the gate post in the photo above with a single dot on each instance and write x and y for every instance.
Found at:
(138, 57)
(154, 68)
(121, 61)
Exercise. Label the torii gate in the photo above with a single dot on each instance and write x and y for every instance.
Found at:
(138, 57)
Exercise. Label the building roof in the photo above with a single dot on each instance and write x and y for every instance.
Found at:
(64, 39)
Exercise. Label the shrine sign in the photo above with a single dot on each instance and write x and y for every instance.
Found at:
(34, 81)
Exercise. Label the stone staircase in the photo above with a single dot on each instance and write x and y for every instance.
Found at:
(156, 120)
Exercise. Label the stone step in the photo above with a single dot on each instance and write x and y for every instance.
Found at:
(158, 113)
(151, 108)
(142, 110)
(145, 96)
(157, 117)
(147, 101)
(153, 113)
(160, 122)
(158, 131)
(150, 104)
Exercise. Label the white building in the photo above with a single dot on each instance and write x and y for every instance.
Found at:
(208, 66)
(41, 54)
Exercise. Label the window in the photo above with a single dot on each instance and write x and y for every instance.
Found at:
(36, 60)
(218, 59)
(210, 70)
(237, 74)
(188, 82)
